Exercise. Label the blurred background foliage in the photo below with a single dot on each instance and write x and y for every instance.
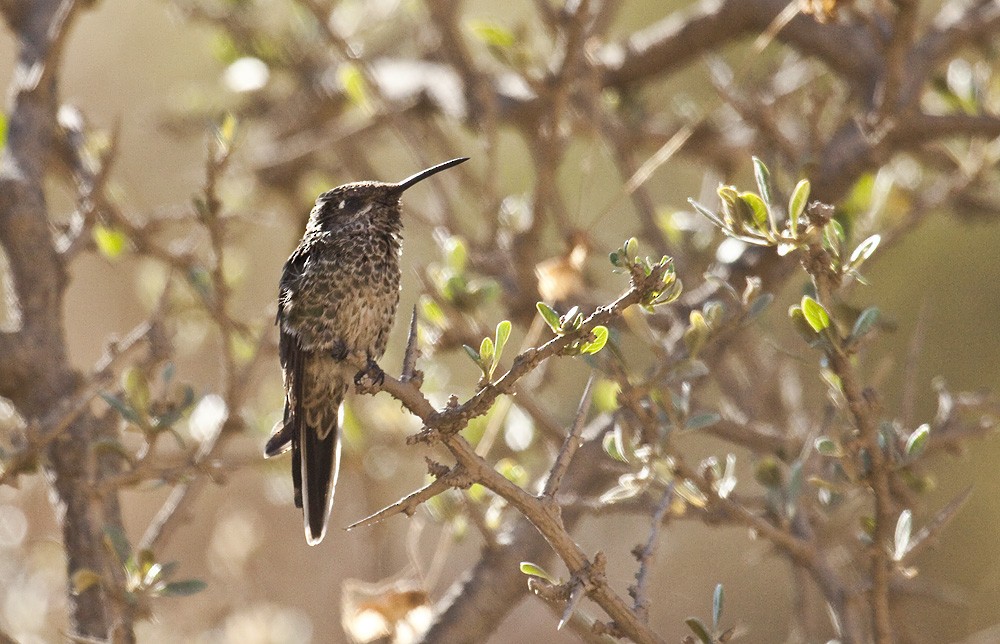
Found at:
(163, 73)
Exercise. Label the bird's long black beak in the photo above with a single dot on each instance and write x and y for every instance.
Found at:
(423, 174)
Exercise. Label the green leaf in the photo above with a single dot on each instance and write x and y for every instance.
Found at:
(225, 133)
(863, 252)
(110, 241)
(486, 351)
(697, 333)
(472, 353)
(600, 333)
(533, 569)
(492, 34)
(632, 249)
(612, 447)
(763, 177)
(183, 588)
(708, 214)
(717, 602)
(699, 629)
(352, 81)
(456, 254)
(916, 443)
(122, 408)
(802, 327)
(757, 207)
(834, 237)
(136, 387)
(815, 314)
(3, 130)
(797, 204)
(83, 579)
(826, 446)
(904, 529)
(866, 320)
(502, 334)
(550, 316)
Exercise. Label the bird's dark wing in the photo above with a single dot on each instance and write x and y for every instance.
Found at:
(310, 422)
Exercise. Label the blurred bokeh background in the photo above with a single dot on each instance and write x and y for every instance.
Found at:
(144, 67)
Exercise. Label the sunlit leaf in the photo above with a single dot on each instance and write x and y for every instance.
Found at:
(863, 252)
(533, 569)
(763, 177)
(110, 242)
(502, 334)
(83, 579)
(550, 316)
(352, 81)
(600, 334)
(492, 34)
(904, 528)
(917, 441)
(815, 314)
(708, 214)
(797, 204)
(486, 350)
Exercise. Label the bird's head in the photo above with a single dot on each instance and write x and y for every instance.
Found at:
(352, 201)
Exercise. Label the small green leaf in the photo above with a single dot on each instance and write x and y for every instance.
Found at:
(502, 334)
(863, 252)
(183, 588)
(110, 241)
(834, 237)
(492, 34)
(352, 81)
(763, 177)
(533, 569)
(612, 447)
(3, 130)
(136, 387)
(486, 351)
(600, 339)
(866, 320)
(917, 441)
(456, 254)
(550, 316)
(815, 314)
(697, 333)
(699, 629)
(757, 207)
(904, 529)
(802, 327)
(632, 249)
(797, 204)
(122, 408)
(225, 133)
(826, 446)
(708, 214)
(83, 579)
(472, 353)
(717, 604)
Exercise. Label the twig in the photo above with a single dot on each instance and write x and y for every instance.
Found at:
(646, 555)
(570, 445)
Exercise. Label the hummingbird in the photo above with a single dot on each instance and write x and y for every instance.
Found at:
(337, 300)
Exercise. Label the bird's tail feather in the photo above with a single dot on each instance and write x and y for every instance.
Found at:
(319, 461)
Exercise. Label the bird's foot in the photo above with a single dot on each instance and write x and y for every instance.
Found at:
(372, 373)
